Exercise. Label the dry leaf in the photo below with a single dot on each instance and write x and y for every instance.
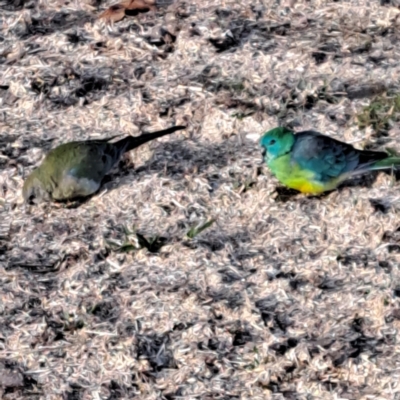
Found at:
(116, 12)
(141, 5)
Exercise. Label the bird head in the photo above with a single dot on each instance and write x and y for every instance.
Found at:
(33, 191)
(276, 142)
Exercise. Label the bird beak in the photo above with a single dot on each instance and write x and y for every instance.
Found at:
(263, 154)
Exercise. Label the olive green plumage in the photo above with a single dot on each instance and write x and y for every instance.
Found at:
(76, 169)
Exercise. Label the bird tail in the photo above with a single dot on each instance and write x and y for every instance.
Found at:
(131, 142)
(386, 163)
(389, 162)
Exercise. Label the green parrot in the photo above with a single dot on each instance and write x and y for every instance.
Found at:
(76, 169)
(313, 163)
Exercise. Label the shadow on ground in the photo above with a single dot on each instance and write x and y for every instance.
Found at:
(177, 158)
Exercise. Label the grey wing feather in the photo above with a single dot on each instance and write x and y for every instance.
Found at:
(327, 157)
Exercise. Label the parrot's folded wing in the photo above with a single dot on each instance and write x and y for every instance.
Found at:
(325, 156)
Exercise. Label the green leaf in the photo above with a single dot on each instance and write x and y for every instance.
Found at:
(379, 113)
(112, 243)
(193, 232)
(127, 248)
(242, 115)
(128, 231)
(392, 152)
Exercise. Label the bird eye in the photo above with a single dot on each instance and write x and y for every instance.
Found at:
(273, 141)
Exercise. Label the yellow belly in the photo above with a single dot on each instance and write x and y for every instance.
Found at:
(294, 177)
(305, 186)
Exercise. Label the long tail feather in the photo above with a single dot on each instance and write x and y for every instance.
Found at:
(386, 163)
(389, 162)
(131, 142)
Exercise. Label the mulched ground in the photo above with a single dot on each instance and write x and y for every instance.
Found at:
(283, 296)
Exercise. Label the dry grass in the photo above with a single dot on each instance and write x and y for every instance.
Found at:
(283, 297)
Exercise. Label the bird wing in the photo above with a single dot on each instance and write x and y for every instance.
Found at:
(93, 160)
(86, 159)
(326, 157)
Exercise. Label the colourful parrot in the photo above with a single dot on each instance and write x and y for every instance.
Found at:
(76, 169)
(312, 163)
